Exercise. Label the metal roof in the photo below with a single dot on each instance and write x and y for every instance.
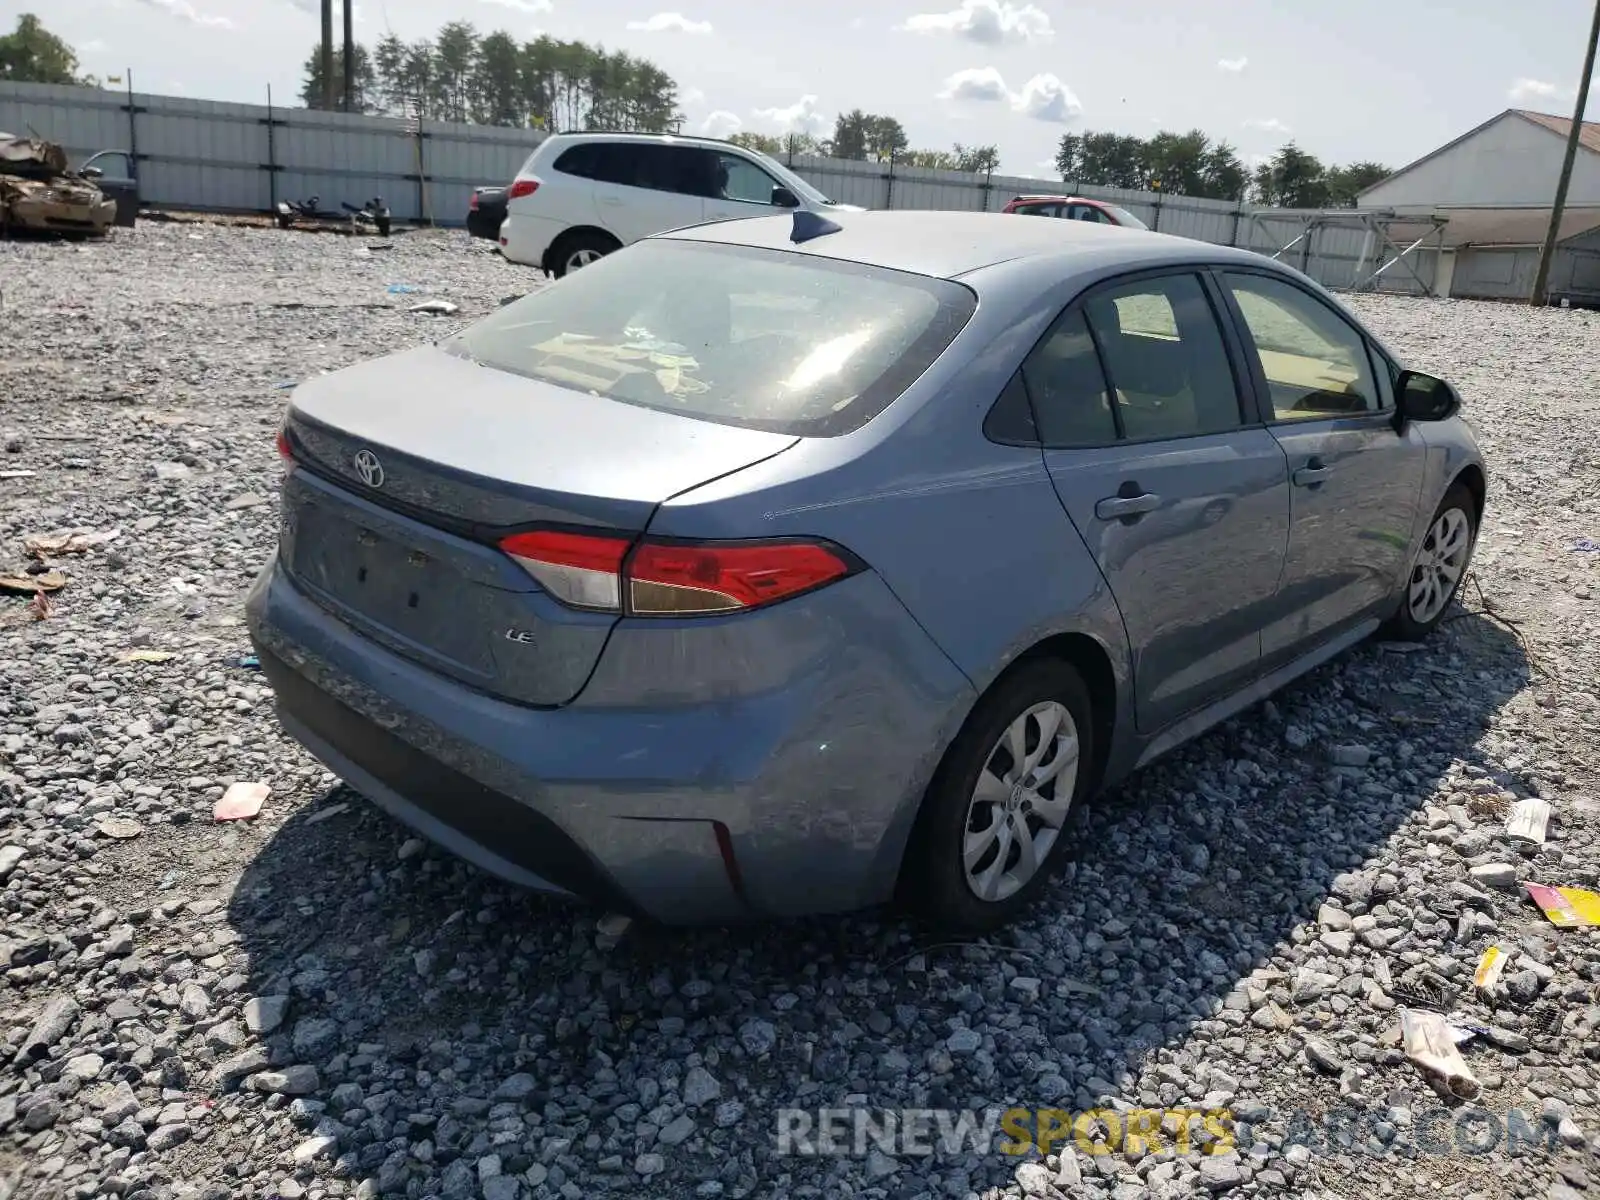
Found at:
(1588, 136)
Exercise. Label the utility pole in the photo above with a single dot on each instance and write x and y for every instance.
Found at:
(327, 54)
(349, 56)
(1542, 279)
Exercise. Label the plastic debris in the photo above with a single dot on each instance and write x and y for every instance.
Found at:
(403, 289)
(1587, 545)
(1567, 907)
(1528, 820)
(1430, 1043)
(146, 656)
(41, 607)
(120, 828)
(17, 474)
(70, 541)
(28, 585)
(1490, 967)
(322, 814)
(241, 802)
(249, 662)
(442, 307)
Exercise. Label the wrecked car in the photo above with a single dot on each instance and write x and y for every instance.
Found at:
(39, 192)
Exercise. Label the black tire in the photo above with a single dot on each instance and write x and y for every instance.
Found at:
(934, 878)
(1408, 624)
(570, 247)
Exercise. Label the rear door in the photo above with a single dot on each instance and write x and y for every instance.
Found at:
(1181, 497)
(1088, 212)
(643, 188)
(1356, 483)
(1043, 209)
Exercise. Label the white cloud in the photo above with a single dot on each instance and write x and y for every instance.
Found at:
(1267, 125)
(988, 22)
(975, 83)
(185, 11)
(691, 96)
(721, 124)
(1233, 66)
(1044, 97)
(670, 22)
(523, 6)
(93, 46)
(1524, 91)
(800, 117)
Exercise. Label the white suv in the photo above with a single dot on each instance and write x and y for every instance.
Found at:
(582, 195)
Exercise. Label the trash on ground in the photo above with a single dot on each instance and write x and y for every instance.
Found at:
(21, 583)
(1568, 907)
(17, 474)
(286, 385)
(67, 541)
(613, 925)
(245, 500)
(403, 289)
(241, 802)
(41, 608)
(1588, 545)
(1528, 820)
(1430, 1043)
(1490, 967)
(249, 662)
(1425, 993)
(146, 656)
(120, 828)
(322, 814)
(443, 307)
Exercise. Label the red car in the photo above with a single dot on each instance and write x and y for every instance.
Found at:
(1075, 208)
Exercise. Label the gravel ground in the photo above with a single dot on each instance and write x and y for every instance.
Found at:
(315, 1004)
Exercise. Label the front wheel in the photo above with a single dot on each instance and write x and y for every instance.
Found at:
(579, 250)
(1438, 569)
(995, 816)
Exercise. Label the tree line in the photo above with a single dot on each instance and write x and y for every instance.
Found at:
(491, 79)
(1192, 164)
(547, 83)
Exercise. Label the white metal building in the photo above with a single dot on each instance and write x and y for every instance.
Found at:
(1486, 199)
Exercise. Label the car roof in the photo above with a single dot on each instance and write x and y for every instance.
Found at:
(668, 139)
(951, 244)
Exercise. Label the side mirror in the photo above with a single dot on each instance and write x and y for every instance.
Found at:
(92, 173)
(784, 198)
(1420, 397)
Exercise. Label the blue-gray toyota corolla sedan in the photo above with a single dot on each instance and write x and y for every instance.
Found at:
(792, 565)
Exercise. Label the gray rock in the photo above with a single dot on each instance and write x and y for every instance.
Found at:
(1495, 875)
(263, 1014)
(700, 1087)
(10, 856)
(59, 1015)
(677, 1131)
(758, 1037)
(300, 1080)
(1035, 1179)
(516, 1087)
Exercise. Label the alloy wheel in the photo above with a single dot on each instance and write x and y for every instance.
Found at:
(1021, 801)
(1439, 566)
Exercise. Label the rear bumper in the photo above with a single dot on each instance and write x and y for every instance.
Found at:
(795, 797)
(525, 238)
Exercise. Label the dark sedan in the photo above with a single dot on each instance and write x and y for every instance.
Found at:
(485, 212)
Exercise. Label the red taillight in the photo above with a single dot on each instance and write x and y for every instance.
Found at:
(285, 450)
(473, 203)
(671, 578)
(521, 188)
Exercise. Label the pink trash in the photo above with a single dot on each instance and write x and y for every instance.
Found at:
(241, 801)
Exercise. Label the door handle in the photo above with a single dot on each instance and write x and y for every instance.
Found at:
(1114, 508)
(1312, 474)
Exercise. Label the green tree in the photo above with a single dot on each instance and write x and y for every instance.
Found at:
(1292, 179)
(761, 143)
(366, 97)
(886, 137)
(32, 54)
(941, 160)
(977, 159)
(1224, 175)
(852, 135)
(1346, 183)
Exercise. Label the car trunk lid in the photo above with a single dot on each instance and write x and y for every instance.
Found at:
(415, 465)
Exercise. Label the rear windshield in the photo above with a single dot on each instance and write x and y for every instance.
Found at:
(758, 338)
(1126, 217)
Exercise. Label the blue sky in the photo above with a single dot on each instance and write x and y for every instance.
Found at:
(1354, 79)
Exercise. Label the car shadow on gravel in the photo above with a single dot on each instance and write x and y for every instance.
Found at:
(453, 1018)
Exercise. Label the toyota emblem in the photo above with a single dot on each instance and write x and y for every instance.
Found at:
(369, 468)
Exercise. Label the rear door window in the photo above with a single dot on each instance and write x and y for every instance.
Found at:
(1037, 210)
(1165, 358)
(764, 339)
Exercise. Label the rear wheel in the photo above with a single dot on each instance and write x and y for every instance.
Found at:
(1438, 569)
(995, 815)
(576, 250)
